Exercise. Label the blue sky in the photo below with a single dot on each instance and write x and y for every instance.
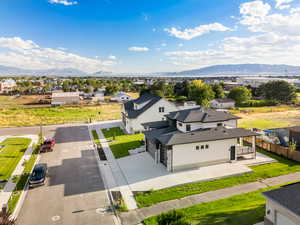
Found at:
(147, 36)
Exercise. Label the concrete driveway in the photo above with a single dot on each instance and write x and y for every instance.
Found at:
(143, 174)
(74, 193)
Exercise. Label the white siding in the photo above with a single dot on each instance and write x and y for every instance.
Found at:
(280, 215)
(217, 105)
(186, 155)
(198, 125)
(152, 114)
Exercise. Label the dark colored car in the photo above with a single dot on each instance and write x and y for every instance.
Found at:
(48, 145)
(38, 175)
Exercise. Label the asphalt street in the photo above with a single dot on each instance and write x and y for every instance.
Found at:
(74, 193)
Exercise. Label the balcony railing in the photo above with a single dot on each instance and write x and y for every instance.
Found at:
(243, 150)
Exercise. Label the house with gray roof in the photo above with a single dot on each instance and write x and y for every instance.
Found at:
(196, 137)
(222, 103)
(283, 205)
(147, 108)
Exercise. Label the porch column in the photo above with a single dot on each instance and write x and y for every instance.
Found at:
(254, 146)
(241, 141)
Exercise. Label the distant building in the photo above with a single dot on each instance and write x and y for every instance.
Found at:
(98, 96)
(7, 85)
(64, 98)
(222, 103)
(255, 82)
(282, 205)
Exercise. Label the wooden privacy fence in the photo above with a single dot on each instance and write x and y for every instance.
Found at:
(278, 149)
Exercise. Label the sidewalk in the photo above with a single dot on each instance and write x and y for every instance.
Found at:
(10, 185)
(138, 215)
(115, 170)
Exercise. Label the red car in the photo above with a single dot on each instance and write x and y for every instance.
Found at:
(48, 145)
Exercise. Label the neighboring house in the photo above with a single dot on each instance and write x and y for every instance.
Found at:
(146, 108)
(98, 96)
(65, 98)
(282, 205)
(197, 137)
(222, 103)
(121, 97)
(7, 85)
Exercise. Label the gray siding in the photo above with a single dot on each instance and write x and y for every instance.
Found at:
(151, 147)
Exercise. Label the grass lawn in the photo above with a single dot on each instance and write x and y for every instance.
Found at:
(265, 109)
(11, 154)
(22, 180)
(244, 209)
(16, 117)
(263, 124)
(283, 166)
(96, 137)
(122, 142)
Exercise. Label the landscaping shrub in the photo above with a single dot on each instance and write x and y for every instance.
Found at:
(172, 218)
(257, 103)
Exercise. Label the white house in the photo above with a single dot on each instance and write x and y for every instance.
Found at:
(282, 205)
(65, 98)
(146, 108)
(7, 85)
(197, 137)
(222, 103)
(121, 97)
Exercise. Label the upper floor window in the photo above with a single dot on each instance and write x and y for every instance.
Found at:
(180, 124)
(219, 124)
(188, 127)
(161, 109)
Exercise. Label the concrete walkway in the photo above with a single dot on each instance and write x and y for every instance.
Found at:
(138, 215)
(10, 185)
(119, 178)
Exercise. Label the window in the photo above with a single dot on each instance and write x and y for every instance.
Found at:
(197, 147)
(206, 146)
(219, 124)
(180, 124)
(202, 146)
(161, 109)
(169, 147)
(188, 127)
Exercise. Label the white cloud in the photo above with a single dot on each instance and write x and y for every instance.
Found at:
(188, 34)
(63, 2)
(21, 53)
(138, 49)
(275, 39)
(282, 4)
(112, 57)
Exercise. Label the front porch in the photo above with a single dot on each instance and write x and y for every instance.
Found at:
(245, 152)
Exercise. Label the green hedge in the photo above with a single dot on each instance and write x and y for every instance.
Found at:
(257, 103)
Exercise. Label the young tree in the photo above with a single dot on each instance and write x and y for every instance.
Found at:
(218, 90)
(201, 92)
(240, 94)
(280, 91)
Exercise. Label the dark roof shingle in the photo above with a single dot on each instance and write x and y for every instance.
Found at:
(200, 114)
(287, 196)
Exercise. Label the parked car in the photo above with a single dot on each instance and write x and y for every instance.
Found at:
(38, 175)
(48, 145)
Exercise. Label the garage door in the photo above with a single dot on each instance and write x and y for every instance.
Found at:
(283, 220)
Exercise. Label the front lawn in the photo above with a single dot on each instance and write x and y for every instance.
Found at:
(120, 142)
(244, 209)
(283, 166)
(11, 154)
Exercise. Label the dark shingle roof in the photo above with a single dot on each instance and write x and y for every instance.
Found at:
(224, 100)
(287, 196)
(147, 97)
(201, 114)
(171, 136)
(157, 124)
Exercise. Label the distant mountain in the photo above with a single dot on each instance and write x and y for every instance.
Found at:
(241, 70)
(14, 71)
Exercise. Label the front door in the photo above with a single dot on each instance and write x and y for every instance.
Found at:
(232, 153)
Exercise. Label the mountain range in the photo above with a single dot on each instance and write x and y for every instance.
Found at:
(217, 70)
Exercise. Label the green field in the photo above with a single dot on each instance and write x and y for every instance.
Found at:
(283, 166)
(17, 117)
(11, 154)
(22, 180)
(245, 209)
(122, 142)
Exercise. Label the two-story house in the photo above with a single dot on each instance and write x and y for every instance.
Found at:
(197, 137)
(146, 108)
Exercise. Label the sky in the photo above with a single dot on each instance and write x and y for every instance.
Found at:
(147, 35)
